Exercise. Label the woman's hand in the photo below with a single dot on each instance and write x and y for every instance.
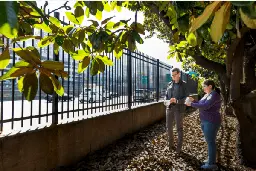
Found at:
(188, 104)
(191, 99)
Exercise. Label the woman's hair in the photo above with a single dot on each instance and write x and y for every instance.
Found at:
(210, 82)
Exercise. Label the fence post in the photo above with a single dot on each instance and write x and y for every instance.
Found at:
(129, 78)
(157, 80)
(55, 97)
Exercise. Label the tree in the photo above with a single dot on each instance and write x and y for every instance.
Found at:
(85, 44)
(220, 37)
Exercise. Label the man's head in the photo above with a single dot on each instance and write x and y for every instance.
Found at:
(176, 75)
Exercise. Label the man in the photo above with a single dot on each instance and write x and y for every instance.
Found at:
(177, 94)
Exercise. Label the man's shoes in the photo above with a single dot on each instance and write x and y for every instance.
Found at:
(205, 161)
(209, 166)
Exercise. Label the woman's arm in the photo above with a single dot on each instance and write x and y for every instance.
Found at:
(209, 102)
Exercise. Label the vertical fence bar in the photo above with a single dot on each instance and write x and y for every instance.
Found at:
(13, 83)
(55, 96)
(2, 99)
(129, 78)
(157, 80)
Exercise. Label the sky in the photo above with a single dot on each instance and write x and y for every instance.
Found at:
(153, 47)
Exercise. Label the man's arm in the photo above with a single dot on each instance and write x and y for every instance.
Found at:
(182, 101)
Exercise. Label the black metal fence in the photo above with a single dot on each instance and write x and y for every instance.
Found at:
(134, 79)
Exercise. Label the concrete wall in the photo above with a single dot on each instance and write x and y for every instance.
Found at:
(65, 144)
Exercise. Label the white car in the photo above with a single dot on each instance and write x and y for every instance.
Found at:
(92, 97)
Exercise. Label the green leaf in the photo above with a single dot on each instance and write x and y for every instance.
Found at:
(54, 65)
(24, 38)
(192, 39)
(28, 54)
(139, 28)
(118, 24)
(21, 72)
(79, 55)
(8, 18)
(106, 20)
(46, 84)
(5, 58)
(94, 67)
(20, 84)
(46, 41)
(71, 17)
(99, 15)
(83, 64)
(68, 46)
(56, 48)
(1, 43)
(30, 83)
(79, 3)
(109, 25)
(7, 75)
(59, 40)
(118, 53)
(107, 7)
(87, 12)
(57, 86)
(137, 37)
(94, 23)
(44, 27)
(106, 60)
(23, 64)
(101, 65)
(79, 14)
(113, 5)
(119, 8)
(55, 21)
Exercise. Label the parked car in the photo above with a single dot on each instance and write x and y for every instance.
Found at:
(142, 95)
(92, 97)
(65, 97)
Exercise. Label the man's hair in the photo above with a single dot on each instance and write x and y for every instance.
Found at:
(176, 69)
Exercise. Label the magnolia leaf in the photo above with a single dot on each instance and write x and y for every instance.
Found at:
(118, 53)
(79, 55)
(106, 20)
(46, 41)
(55, 21)
(30, 87)
(56, 48)
(220, 21)
(5, 58)
(29, 54)
(21, 72)
(8, 18)
(57, 86)
(101, 65)
(24, 38)
(46, 84)
(54, 65)
(79, 14)
(106, 60)
(98, 15)
(7, 75)
(71, 17)
(87, 12)
(20, 84)
(83, 64)
(199, 21)
(192, 39)
(44, 27)
(251, 23)
(94, 67)
(94, 23)
(107, 7)
(23, 64)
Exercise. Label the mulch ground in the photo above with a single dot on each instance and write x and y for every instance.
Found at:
(147, 150)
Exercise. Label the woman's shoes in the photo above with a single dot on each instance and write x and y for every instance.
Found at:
(209, 166)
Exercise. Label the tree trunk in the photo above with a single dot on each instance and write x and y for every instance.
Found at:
(246, 129)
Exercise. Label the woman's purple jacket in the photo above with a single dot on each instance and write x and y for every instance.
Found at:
(209, 107)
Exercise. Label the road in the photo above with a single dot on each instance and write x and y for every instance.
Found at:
(32, 109)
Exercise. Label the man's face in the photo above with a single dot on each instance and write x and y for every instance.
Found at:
(175, 76)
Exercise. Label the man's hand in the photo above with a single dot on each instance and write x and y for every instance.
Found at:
(173, 100)
(188, 104)
(191, 99)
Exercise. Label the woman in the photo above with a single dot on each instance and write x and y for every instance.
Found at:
(209, 108)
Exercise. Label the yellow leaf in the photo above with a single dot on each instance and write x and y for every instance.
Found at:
(53, 65)
(199, 21)
(220, 21)
(251, 23)
(5, 58)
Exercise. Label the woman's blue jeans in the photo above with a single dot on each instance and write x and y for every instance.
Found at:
(210, 131)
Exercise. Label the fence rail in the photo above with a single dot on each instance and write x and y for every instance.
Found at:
(134, 79)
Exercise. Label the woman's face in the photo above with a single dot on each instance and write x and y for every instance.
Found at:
(207, 89)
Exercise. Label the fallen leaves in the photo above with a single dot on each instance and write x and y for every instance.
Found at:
(147, 150)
